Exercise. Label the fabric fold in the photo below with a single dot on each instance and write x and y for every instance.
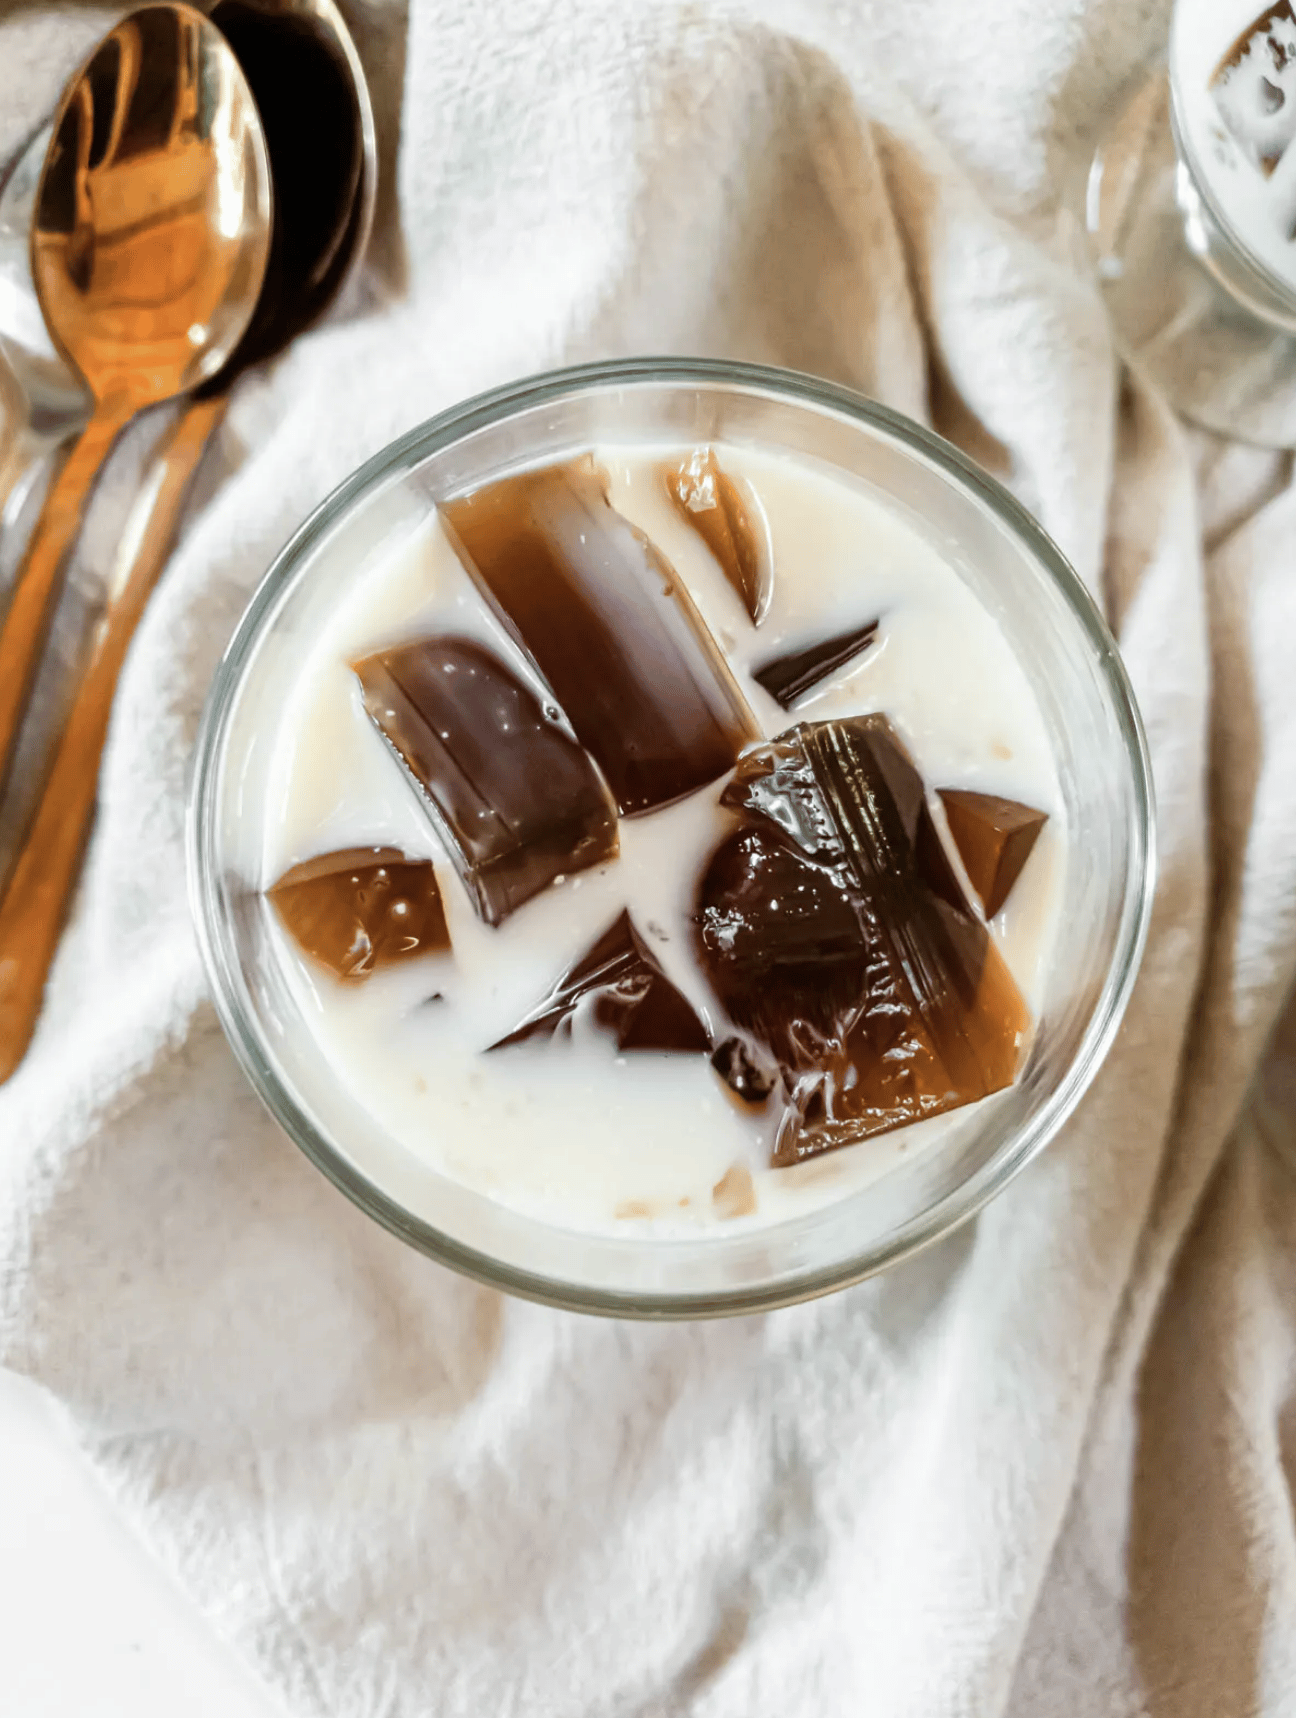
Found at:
(1043, 1468)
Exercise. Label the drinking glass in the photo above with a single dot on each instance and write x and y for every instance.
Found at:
(1191, 214)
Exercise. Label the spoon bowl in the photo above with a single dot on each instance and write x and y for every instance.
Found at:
(149, 242)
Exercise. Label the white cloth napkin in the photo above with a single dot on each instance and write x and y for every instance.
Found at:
(1043, 1469)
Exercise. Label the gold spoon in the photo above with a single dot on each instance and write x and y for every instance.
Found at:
(309, 86)
(149, 248)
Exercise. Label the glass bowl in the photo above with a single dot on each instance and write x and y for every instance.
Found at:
(1078, 681)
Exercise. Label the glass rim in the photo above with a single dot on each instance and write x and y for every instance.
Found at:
(1258, 280)
(405, 454)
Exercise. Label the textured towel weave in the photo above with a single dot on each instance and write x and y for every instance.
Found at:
(1043, 1469)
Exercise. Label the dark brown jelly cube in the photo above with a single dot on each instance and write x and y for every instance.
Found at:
(781, 944)
(994, 838)
(610, 627)
(630, 998)
(357, 910)
(833, 933)
(518, 801)
(788, 678)
(712, 503)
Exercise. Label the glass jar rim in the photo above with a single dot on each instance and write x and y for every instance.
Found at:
(454, 425)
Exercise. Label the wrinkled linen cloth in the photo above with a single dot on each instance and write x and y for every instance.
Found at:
(1044, 1468)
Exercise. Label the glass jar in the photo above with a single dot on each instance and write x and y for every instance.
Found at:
(1191, 215)
(1017, 574)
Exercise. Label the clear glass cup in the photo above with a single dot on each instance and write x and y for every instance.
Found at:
(1016, 572)
(1191, 225)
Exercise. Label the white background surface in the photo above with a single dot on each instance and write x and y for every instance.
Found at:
(90, 1625)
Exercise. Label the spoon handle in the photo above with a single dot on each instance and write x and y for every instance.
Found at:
(35, 904)
(30, 610)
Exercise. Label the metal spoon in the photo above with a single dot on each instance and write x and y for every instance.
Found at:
(309, 83)
(148, 250)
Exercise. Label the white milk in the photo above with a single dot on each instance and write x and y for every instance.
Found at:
(573, 1133)
(1233, 65)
